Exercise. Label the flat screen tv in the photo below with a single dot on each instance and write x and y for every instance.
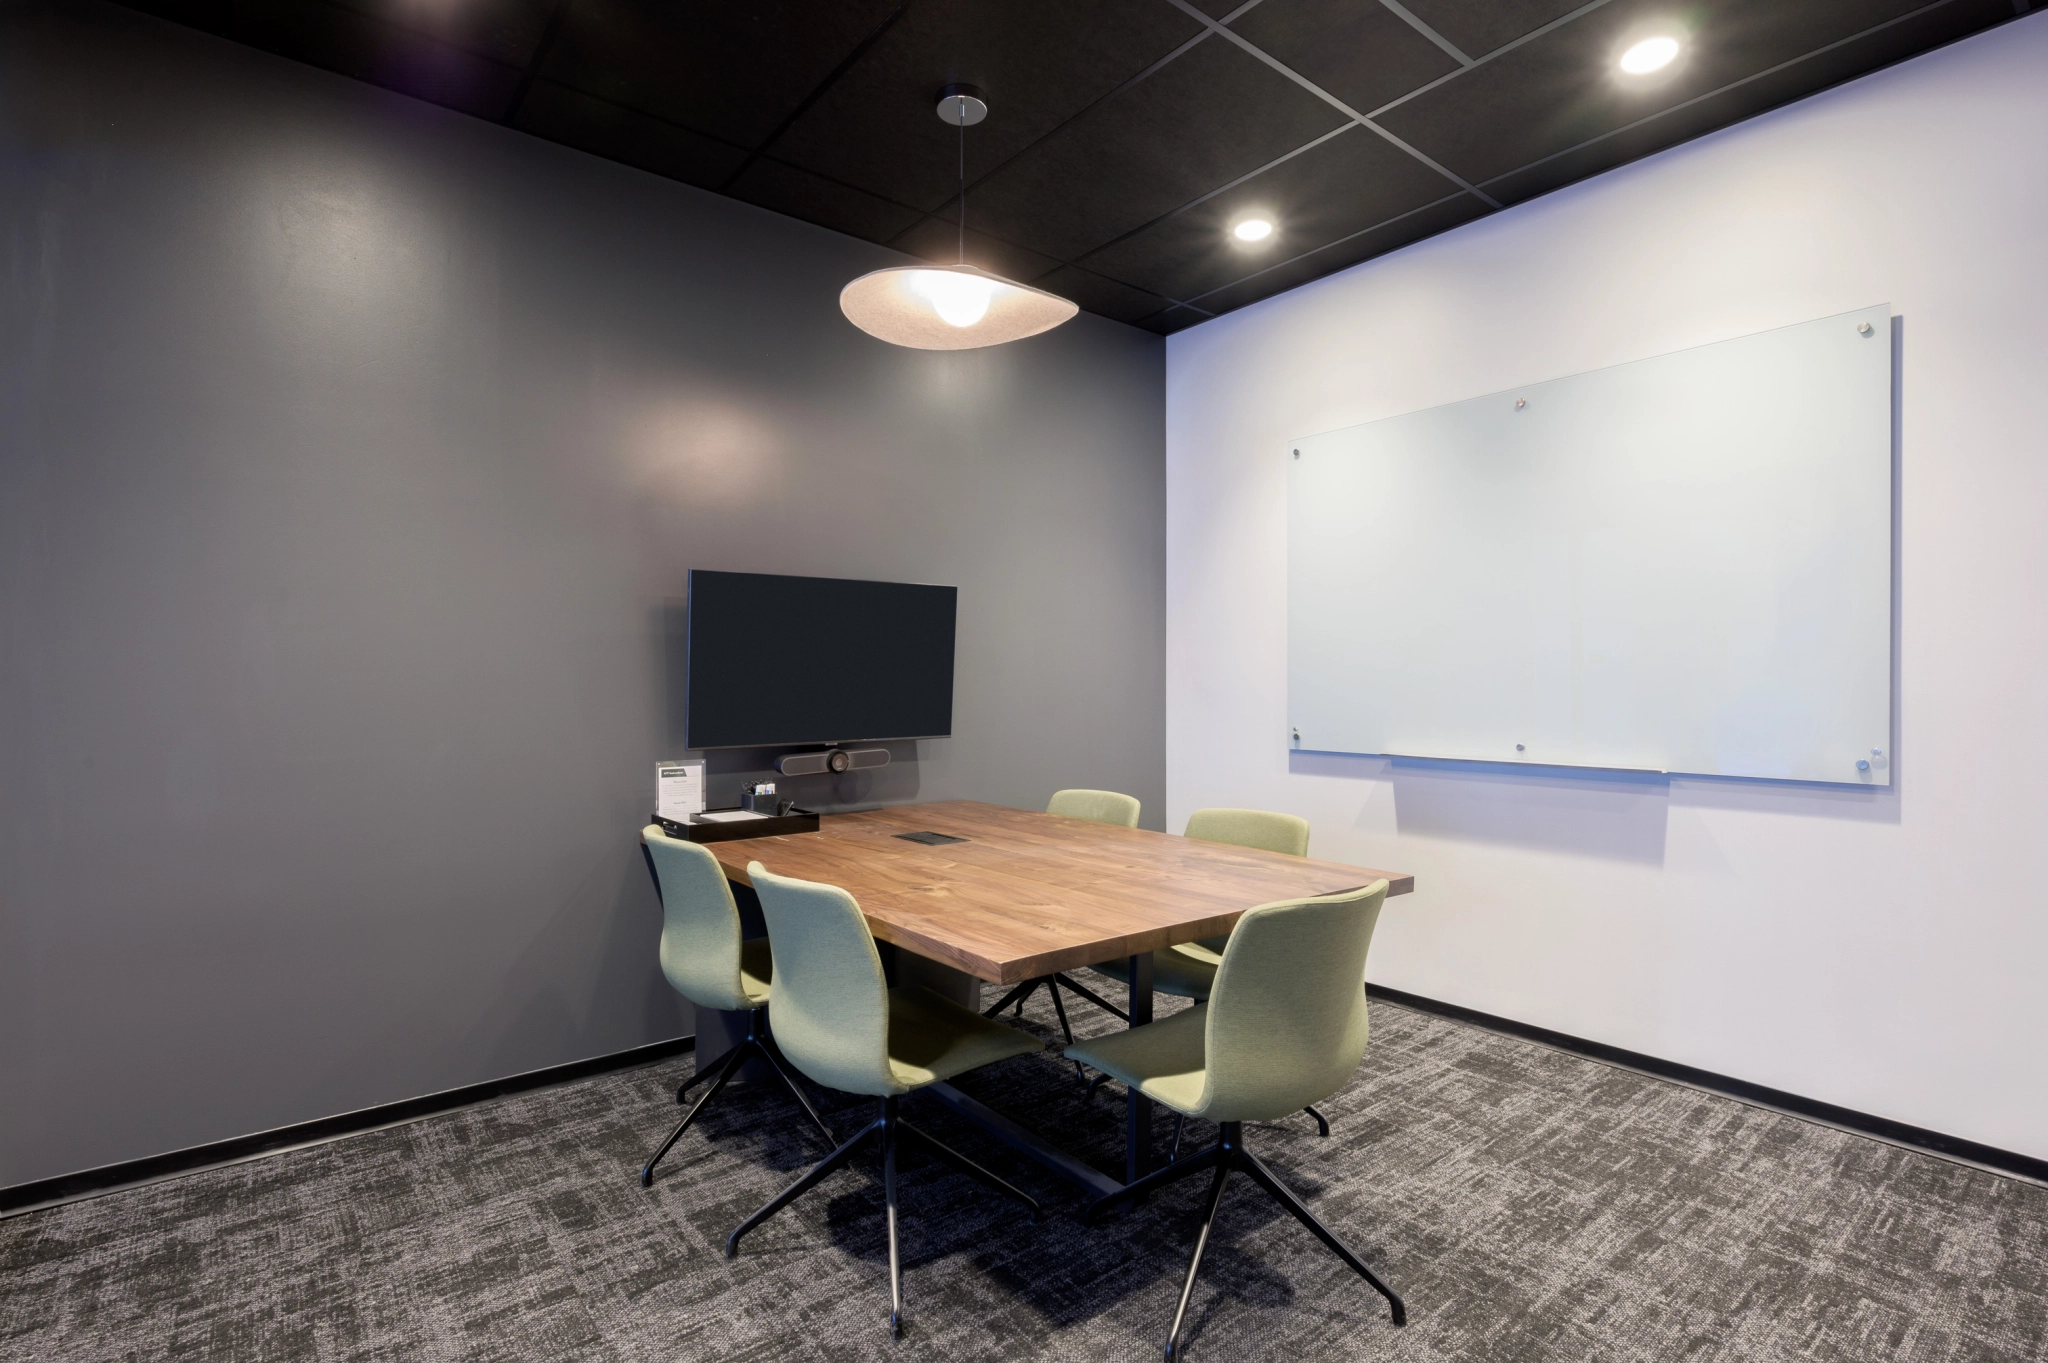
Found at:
(775, 660)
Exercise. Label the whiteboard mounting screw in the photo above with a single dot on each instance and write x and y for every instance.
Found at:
(1518, 747)
(1296, 733)
(1863, 328)
(1863, 764)
(1877, 752)
(1297, 454)
(1520, 403)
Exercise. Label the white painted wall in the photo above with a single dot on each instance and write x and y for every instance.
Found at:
(1886, 950)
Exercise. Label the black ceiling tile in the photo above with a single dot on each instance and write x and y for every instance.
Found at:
(1359, 51)
(1438, 217)
(1109, 122)
(814, 198)
(735, 71)
(1477, 27)
(1104, 297)
(1865, 54)
(1211, 115)
(635, 139)
(938, 238)
(1332, 190)
(1038, 64)
(367, 48)
(211, 15)
(1175, 319)
(1564, 87)
(507, 31)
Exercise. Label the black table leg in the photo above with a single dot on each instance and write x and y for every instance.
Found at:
(1138, 1131)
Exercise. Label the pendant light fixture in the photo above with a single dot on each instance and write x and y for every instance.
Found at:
(951, 307)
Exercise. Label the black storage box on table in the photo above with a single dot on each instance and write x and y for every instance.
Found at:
(698, 829)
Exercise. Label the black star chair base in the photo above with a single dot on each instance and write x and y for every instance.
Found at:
(1284, 1026)
(757, 1045)
(706, 961)
(839, 1022)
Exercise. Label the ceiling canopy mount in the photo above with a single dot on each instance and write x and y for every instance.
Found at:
(957, 306)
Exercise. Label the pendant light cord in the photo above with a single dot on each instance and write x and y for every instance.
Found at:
(963, 188)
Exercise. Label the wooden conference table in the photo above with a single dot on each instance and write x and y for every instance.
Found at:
(1024, 894)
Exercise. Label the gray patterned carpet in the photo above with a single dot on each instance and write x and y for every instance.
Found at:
(1528, 1204)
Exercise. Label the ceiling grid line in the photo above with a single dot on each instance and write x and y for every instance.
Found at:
(548, 37)
(1049, 133)
(1614, 132)
(1326, 246)
(1408, 17)
(1339, 105)
(817, 93)
(1249, 175)
(1532, 35)
(692, 93)
(1724, 89)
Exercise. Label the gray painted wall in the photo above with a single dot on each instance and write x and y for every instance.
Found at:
(352, 454)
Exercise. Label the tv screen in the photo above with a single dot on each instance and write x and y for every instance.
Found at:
(774, 660)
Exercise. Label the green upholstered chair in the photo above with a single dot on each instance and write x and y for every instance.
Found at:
(1096, 806)
(1188, 971)
(839, 1022)
(708, 963)
(1284, 1026)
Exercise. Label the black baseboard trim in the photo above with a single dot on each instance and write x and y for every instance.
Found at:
(48, 1192)
(1862, 1123)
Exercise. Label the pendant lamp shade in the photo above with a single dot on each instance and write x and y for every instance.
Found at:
(949, 307)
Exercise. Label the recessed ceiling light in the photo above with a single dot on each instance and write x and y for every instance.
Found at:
(1651, 54)
(1253, 229)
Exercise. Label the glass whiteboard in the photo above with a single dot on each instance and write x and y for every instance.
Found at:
(1683, 564)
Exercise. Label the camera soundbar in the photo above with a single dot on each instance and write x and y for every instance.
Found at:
(832, 760)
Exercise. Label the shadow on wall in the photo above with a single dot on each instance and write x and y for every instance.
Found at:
(1611, 815)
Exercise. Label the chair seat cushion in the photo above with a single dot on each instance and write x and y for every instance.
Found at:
(756, 966)
(1162, 1060)
(932, 1039)
(1187, 972)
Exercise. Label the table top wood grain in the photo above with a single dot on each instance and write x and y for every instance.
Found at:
(1026, 893)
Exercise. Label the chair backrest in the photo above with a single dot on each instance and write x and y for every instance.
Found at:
(700, 929)
(1286, 1024)
(830, 999)
(1097, 806)
(1251, 828)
